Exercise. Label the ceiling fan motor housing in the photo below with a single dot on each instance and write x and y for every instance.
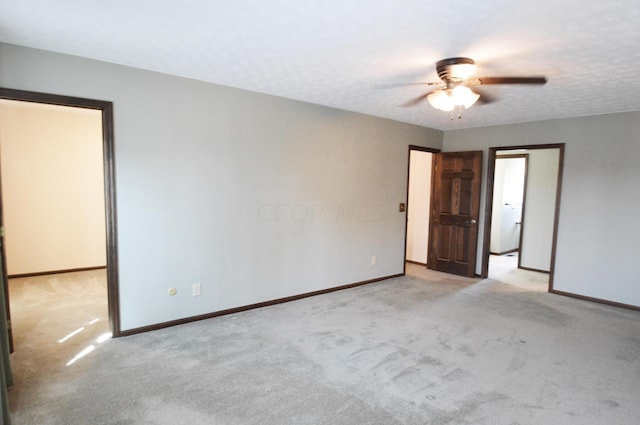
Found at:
(455, 69)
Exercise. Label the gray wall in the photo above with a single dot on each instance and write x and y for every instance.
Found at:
(597, 247)
(254, 196)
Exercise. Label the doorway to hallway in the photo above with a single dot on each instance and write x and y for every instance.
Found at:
(540, 212)
(418, 205)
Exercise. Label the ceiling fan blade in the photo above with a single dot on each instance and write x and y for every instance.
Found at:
(484, 97)
(513, 80)
(416, 100)
(393, 86)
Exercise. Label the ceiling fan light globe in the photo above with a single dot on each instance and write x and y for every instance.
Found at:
(471, 100)
(434, 98)
(440, 99)
(464, 96)
(447, 106)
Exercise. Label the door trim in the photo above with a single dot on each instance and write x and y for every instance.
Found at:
(108, 155)
(489, 203)
(406, 215)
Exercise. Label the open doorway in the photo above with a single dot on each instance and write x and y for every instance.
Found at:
(448, 216)
(105, 165)
(509, 187)
(537, 228)
(418, 204)
(53, 188)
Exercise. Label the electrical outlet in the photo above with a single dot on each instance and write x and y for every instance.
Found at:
(374, 260)
(196, 289)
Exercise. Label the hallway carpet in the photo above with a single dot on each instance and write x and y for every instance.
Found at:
(427, 348)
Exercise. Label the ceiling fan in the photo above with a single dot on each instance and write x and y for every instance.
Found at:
(458, 79)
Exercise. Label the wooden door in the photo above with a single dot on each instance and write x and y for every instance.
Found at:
(454, 212)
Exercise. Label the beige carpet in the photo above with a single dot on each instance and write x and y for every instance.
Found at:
(428, 348)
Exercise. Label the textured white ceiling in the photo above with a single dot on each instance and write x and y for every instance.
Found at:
(342, 53)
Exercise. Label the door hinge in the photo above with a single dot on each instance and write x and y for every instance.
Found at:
(1, 231)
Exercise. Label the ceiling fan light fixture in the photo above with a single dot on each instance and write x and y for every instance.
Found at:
(464, 96)
(440, 99)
